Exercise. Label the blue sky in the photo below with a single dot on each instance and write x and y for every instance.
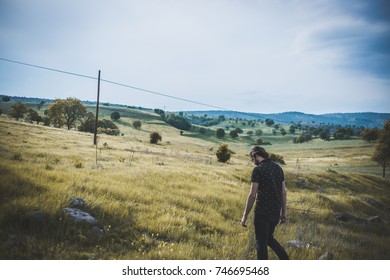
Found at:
(255, 56)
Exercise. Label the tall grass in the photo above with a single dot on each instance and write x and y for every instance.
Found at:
(168, 202)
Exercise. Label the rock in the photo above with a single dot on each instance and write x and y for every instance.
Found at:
(344, 217)
(371, 201)
(301, 183)
(298, 244)
(76, 202)
(374, 219)
(326, 256)
(80, 216)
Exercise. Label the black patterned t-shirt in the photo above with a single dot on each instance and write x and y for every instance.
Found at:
(270, 178)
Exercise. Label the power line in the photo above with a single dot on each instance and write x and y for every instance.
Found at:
(123, 85)
(112, 82)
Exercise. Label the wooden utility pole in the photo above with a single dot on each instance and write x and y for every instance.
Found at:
(97, 112)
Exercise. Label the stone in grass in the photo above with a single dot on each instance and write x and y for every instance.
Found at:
(80, 216)
(374, 219)
(326, 256)
(76, 202)
(298, 244)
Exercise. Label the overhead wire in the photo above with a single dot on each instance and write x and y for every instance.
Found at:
(123, 85)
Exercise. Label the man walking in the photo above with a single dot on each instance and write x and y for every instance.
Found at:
(268, 190)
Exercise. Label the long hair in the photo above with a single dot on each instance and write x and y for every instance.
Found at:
(260, 151)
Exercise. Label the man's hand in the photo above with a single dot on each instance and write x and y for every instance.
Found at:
(243, 220)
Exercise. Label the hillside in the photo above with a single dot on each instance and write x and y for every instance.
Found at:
(174, 200)
(368, 120)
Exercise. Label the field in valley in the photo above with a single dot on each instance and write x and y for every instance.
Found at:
(174, 200)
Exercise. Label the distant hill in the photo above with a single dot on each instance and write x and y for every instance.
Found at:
(366, 119)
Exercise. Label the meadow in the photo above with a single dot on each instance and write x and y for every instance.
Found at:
(174, 200)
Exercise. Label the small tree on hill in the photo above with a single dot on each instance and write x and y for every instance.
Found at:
(18, 110)
(220, 133)
(137, 124)
(66, 112)
(155, 137)
(382, 149)
(115, 116)
(224, 153)
(5, 98)
(370, 134)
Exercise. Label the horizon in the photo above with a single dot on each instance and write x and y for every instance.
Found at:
(210, 110)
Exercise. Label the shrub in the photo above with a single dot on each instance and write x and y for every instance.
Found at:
(223, 153)
(155, 137)
(220, 133)
(137, 124)
(202, 130)
(277, 158)
(115, 116)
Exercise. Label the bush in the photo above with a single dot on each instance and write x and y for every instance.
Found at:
(223, 153)
(220, 133)
(277, 158)
(155, 137)
(115, 116)
(137, 124)
(202, 130)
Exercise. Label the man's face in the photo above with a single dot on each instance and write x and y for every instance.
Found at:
(255, 160)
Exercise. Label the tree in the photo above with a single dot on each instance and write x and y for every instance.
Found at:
(66, 112)
(202, 130)
(18, 110)
(137, 124)
(283, 132)
(382, 149)
(115, 116)
(87, 123)
(233, 134)
(325, 134)
(259, 132)
(5, 98)
(155, 137)
(224, 153)
(269, 122)
(33, 116)
(179, 122)
(370, 134)
(220, 133)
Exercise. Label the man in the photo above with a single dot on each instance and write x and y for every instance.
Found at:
(268, 190)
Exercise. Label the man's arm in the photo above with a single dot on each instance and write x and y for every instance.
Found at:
(249, 202)
(284, 202)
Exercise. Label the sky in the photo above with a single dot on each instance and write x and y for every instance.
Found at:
(260, 56)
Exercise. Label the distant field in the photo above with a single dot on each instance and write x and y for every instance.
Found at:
(174, 200)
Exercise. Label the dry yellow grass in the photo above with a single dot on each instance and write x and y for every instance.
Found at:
(168, 202)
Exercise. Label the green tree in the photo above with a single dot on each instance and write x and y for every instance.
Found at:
(220, 133)
(370, 134)
(269, 122)
(5, 98)
(18, 110)
(33, 116)
(66, 112)
(202, 130)
(87, 123)
(233, 134)
(115, 116)
(224, 153)
(382, 148)
(155, 137)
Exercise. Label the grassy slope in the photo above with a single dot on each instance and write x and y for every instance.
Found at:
(167, 202)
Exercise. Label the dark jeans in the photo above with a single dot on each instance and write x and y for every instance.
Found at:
(265, 237)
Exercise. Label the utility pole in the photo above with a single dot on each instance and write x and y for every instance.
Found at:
(97, 112)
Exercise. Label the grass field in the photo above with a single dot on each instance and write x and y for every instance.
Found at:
(174, 200)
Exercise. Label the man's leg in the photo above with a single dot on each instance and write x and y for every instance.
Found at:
(275, 245)
(262, 229)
